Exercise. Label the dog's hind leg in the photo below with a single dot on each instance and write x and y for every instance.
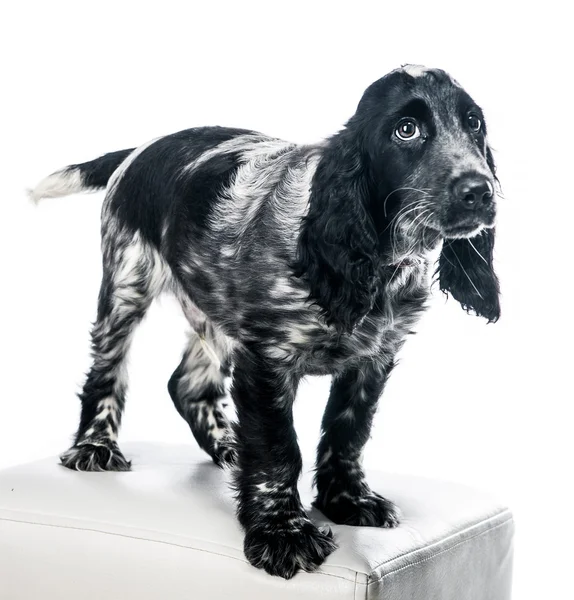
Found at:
(197, 387)
(132, 277)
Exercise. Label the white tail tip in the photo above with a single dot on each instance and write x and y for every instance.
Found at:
(61, 183)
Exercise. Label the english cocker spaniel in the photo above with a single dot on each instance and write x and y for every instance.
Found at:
(289, 260)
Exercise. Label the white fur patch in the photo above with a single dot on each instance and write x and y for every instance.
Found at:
(267, 489)
(202, 368)
(253, 182)
(216, 432)
(242, 142)
(61, 183)
(415, 70)
(108, 406)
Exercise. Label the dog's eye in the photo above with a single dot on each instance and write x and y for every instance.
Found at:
(407, 130)
(474, 123)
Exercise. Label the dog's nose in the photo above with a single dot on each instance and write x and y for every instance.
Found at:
(473, 191)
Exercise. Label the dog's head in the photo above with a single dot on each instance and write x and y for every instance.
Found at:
(433, 177)
(411, 168)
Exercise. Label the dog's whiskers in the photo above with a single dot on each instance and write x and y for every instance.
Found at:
(403, 211)
(479, 254)
(423, 191)
(425, 208)
(424, 217)
(464, 271)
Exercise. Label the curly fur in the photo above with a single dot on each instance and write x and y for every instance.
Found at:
(289, 260)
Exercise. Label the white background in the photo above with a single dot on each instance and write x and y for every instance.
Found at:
(487, 405)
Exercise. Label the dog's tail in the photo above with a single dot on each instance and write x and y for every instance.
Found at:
(84, 177)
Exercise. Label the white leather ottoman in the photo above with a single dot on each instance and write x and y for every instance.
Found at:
(167, 531)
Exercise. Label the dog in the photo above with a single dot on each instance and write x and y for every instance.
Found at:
(289, 260)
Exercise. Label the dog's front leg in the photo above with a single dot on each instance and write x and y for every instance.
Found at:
(279, 536)
(343, 494)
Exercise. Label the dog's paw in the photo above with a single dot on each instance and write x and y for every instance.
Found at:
(224, 455)
(283, 553)
(367, 510)
(95, 457)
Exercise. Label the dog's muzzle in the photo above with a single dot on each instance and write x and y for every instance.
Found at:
(471, 206)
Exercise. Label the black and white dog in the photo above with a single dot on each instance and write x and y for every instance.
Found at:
(289, 260)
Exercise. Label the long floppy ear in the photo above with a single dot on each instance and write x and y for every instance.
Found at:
(465, 270)
(337, 249)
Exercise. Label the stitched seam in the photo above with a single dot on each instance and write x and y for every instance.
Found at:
(141, 539)
(422, 560)
(358, 585)
(443, 540)
(93, 525)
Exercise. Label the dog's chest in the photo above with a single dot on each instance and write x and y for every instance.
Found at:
(301, 337)
(319, 349)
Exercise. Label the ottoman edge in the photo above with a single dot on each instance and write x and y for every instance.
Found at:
(440, 546)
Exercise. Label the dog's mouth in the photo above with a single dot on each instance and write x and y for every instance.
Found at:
(466, 227)
(465, 230)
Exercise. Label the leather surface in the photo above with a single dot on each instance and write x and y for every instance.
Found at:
(167, 530)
